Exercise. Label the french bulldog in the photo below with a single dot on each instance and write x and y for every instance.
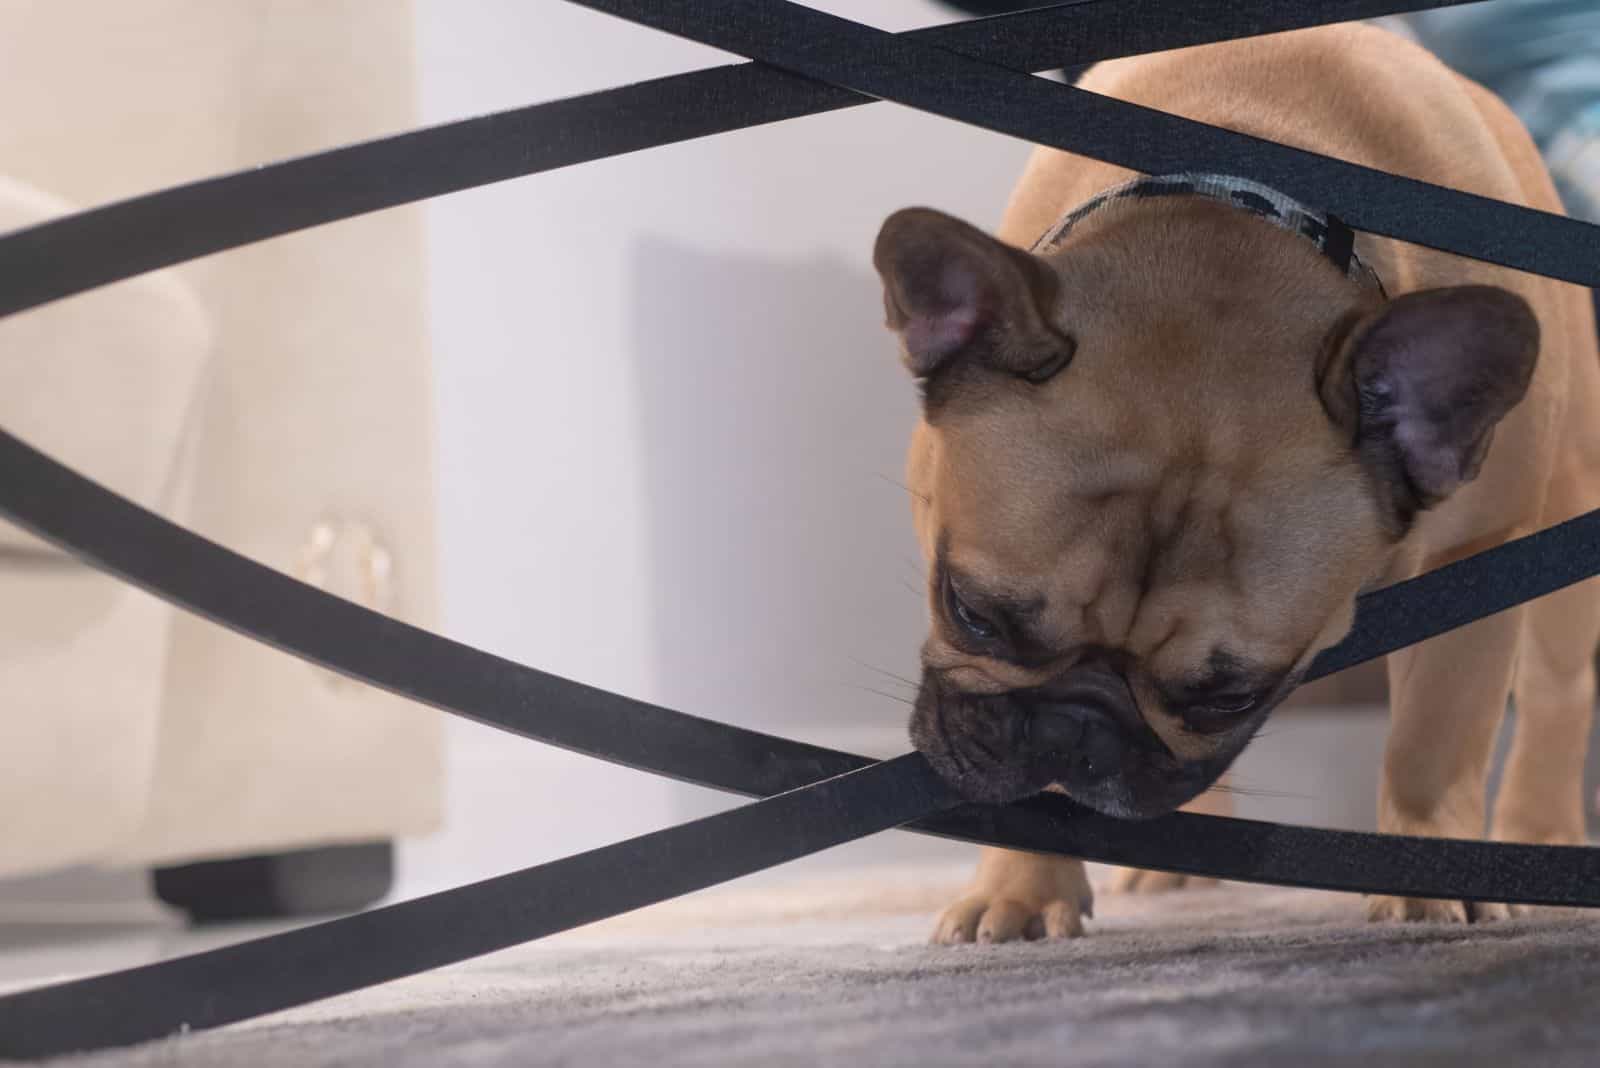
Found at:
(1170, 429)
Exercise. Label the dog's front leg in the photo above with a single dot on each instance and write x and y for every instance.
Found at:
(1019, 895)
(1447, 699)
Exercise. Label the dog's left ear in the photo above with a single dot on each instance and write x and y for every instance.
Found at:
(1421, 382)
(951, 291)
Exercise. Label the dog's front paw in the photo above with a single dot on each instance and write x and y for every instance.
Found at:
(1019, 895)
(978, 918)
(1142, 881)
(1385, 909)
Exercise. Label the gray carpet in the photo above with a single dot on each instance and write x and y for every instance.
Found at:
(839, 974)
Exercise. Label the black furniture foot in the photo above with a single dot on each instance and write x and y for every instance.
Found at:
(301, 882)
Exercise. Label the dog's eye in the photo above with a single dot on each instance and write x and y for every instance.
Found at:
(975, 625)
(1219, 713)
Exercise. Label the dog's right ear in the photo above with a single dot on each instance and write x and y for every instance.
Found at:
(950, 290)
(1421, 382)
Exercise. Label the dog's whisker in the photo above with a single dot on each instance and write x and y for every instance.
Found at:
(899, 699)
(1256, 791)
(923, 497)
(886, 673)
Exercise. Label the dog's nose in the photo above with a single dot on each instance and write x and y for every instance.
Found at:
(1101, 751)
(1075, 736)
(1054, 730)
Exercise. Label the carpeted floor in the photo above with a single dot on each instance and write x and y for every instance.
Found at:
(837, 972)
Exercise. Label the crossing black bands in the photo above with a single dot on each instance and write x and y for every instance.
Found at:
(943, 82)
(818, 797)
(285, 970)
(78, 252)
(252, 978)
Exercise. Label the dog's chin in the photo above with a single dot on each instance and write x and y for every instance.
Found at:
(1144, 786)
(995, 750)
(1127, 797)
(1118, 798)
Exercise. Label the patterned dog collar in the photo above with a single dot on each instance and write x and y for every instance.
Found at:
(1332, 237)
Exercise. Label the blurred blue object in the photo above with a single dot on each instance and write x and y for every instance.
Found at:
(1542, 57)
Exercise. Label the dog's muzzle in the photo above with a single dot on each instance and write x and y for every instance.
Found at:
(1081, 733)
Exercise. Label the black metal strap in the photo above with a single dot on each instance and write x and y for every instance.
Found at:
(115, 534)
(253, 978)
(943, 82)
(216, 988)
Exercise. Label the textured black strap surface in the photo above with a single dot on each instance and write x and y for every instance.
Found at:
(934, 79)
(211, 989)
(251, 978)
(1457, 594)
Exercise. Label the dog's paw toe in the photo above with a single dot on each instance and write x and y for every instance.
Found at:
(1141, 881)
(983, 919)
(1386, 909)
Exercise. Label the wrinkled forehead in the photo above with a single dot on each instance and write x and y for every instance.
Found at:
(1157, 546)
(1005, 502)
(1024, 470)
(1175, 419)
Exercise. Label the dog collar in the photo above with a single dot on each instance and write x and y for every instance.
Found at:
(1327, 232)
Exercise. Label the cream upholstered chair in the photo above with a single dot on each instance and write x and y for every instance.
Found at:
(275, 398)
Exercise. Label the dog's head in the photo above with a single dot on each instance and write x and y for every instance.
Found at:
(1153, 471)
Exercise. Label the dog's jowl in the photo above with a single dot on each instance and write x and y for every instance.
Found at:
(1173, 425)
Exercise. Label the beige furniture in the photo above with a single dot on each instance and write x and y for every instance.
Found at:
(275, 398)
